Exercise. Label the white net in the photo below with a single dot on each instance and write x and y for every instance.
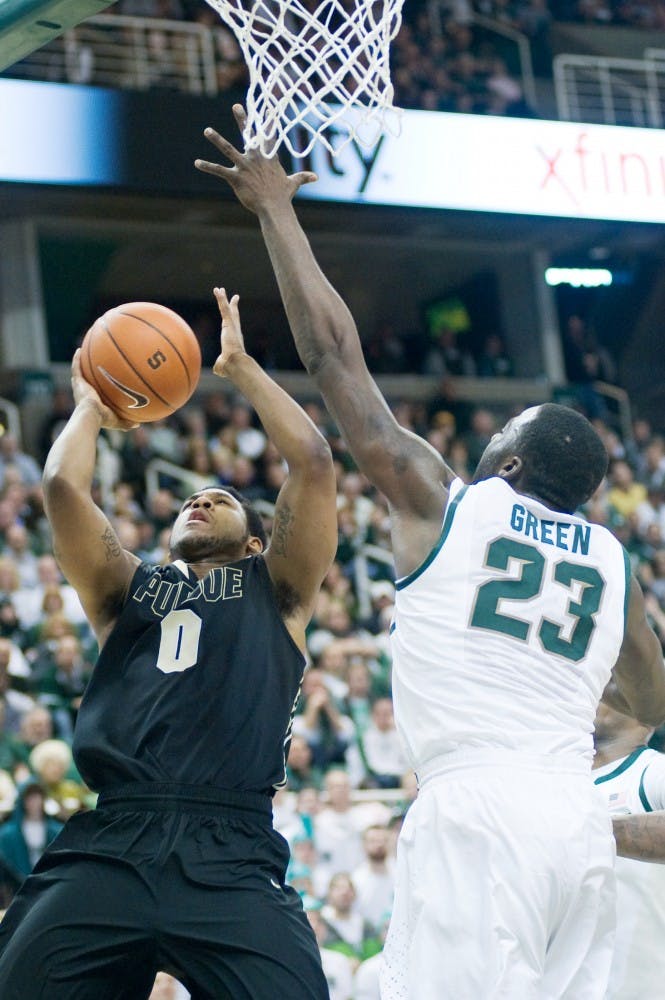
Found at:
(310, 63)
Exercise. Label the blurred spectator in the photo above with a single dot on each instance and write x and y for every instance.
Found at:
(446, 357)
(357, 703)
(161, 507)
(10, 626)
(29, 831)
(653, 471)
(374, 878)
(136, 453)
(10, 582)
(36, 727)
(345, 929)
(300, 772)
(60, 410)
(11, 457)
(17, 664)
(482, 426)
(321, 723)
(376, 759)
(625, 495)
(505, 94)
(7, 795)
(366, 977)
(12, 752)
(493, 361)
(586, 362)
(301, 873)
(14, 702)
(446, 411)
(18, 548)
(337, 968)
(59, 679)
(29, 601)
(51, 762)
(340, 824)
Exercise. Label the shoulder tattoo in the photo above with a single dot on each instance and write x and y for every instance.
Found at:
(280, 529)
(111, 544)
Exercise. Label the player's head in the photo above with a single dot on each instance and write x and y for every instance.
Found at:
(216, 523)
(549, 452)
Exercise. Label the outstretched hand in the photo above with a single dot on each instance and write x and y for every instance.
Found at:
(232, 343)
(83, 391)
(257, 180)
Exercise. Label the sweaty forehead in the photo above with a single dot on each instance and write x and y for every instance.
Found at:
(213, 491)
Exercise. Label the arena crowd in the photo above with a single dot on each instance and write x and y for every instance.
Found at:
(348, 784)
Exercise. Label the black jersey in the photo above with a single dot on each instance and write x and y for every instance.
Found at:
(197, 683)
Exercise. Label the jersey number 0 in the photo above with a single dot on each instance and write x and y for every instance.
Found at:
(179, 641)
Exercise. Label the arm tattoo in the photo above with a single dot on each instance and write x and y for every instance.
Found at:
(280, 530)
(111, 544)
(641, 836)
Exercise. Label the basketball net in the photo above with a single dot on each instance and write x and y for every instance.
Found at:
(310, 62)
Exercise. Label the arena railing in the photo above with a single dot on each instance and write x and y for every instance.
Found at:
(611, 91)
(124, 52)
(438, 11)
(136, 53)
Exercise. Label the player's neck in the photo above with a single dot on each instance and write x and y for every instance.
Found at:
(614, 749)
(201, 567)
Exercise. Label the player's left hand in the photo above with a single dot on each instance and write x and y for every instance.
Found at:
(257, 180)
(232, 342)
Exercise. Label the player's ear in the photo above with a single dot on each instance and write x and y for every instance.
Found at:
(254, 545)
(511, 468)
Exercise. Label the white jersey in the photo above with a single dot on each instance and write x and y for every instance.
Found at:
(636, 784)
(506, 634)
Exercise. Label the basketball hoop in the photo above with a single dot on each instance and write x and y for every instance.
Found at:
(310, 63)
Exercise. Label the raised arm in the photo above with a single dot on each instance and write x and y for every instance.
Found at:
(641, 837)
(410, 473)
(84, 542)
(304, 534)
(639, 672)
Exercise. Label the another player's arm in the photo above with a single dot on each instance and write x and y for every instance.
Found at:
(410, 473)
(639, 672)
(304, 534)
(84, 542)
(641, 836)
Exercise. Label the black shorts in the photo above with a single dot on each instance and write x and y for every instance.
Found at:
(162, 877)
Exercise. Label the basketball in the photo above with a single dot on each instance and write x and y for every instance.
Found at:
(143, 360)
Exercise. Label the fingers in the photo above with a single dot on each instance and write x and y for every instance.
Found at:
(240, 116)
(304, 177)
(226, 307)
(223, 145)
(76, 362)
(216, 169)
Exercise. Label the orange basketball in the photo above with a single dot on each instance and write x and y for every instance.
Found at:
(143, 360)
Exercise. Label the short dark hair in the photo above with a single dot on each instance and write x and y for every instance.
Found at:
(564, 457)
(254, 520)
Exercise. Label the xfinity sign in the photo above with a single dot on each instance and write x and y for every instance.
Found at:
(487, 164)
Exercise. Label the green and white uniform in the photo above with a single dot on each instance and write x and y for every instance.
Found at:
(636, 784)
(502, 643)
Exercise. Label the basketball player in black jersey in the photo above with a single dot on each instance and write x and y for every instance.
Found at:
(183, 731)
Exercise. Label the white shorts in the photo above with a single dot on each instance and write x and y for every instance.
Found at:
(504, 884)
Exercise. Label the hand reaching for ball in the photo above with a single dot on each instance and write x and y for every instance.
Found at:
(84, 392)
(232, 343)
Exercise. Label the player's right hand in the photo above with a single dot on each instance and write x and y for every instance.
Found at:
(84, 392)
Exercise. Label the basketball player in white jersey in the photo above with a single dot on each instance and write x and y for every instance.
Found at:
(631, 778)
(510, 612)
